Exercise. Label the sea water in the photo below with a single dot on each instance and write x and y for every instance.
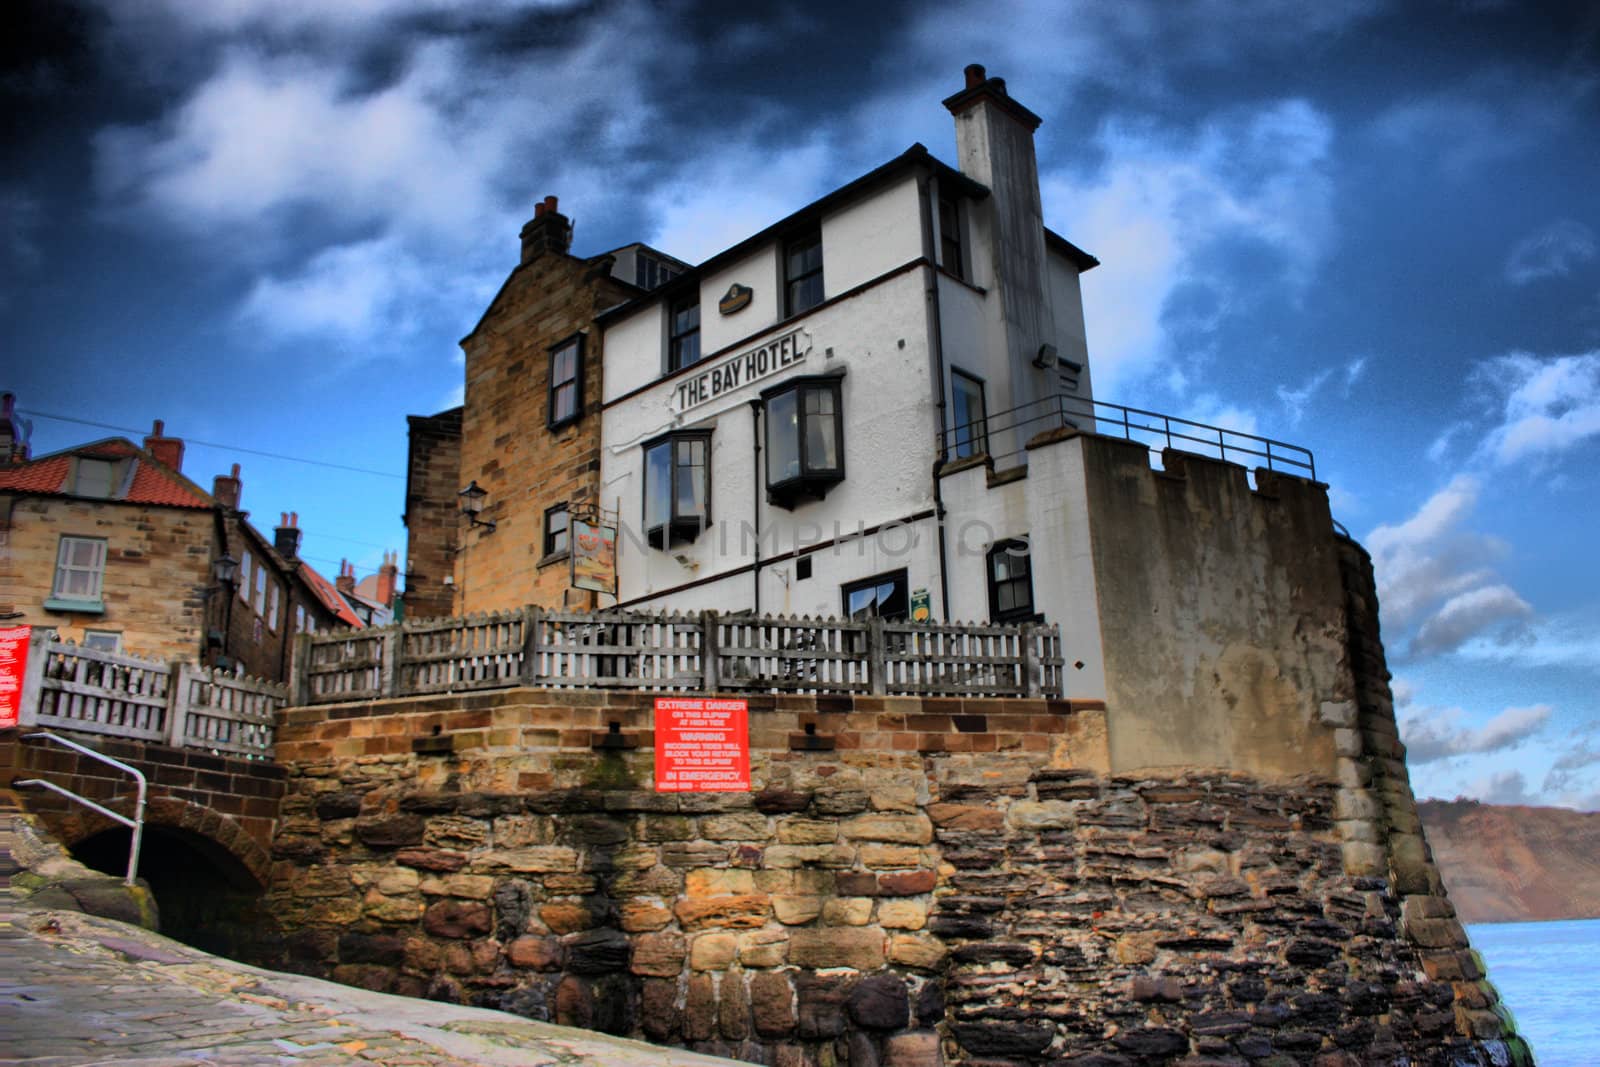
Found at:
(1546, 974)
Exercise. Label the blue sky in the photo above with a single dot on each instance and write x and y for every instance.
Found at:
(1368, 228)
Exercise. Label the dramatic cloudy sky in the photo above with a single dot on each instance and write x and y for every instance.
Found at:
(1367, 227)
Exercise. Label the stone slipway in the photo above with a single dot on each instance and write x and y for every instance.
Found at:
(79, 989)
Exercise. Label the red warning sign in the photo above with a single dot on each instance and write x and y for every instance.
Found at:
(702, 745)
(13, 663)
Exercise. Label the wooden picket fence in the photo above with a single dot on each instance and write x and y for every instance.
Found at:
(703, 651)
(114, 694)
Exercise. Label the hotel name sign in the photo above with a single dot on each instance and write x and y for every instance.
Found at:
(735, 371)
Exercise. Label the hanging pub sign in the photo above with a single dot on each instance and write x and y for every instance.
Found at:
(742, 369)
(13, 665)
(702, 745)
(593, 551)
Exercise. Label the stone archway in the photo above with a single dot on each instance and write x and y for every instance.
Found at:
(216, 830)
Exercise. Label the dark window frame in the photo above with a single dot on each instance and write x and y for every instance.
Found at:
(575, 382)
(678, 338)
(813, 479)
(678, 528)
(1008, 548)
(800, 243)
(899, 577)
(952, 249)
(550, 536)
(975, 443)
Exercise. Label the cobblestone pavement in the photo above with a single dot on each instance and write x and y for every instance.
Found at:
(76, 989)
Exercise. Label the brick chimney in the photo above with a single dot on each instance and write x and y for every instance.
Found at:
(388, 578)
(13, 432)
(167, 450)
(548, 230)
(286, 538)
(226, 488)
(346, 582)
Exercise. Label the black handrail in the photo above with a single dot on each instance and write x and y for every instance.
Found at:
(1098, 416)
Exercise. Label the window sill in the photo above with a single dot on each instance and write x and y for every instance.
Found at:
(554, 557)
(570, 420)
(75, 607)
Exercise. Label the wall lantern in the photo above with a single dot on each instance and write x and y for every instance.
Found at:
(472, 498)
(224, 569)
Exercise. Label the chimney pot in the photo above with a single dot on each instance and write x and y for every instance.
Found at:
(550, 203)
(975, 75)
(538, 210)
(159, 428)
(286, 538)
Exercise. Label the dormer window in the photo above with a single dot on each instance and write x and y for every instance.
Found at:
(677, 487)
(805, 439)
(94, 477)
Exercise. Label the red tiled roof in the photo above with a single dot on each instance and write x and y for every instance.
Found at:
(152, 483)
(329, 595)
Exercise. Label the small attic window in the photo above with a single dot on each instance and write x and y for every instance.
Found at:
(94, 477)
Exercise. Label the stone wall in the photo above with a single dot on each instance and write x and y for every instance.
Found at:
(909, 882)
(507, 446)
(433, 512)
(157, 570)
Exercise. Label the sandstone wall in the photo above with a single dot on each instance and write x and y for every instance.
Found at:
(433, 512)
(507, 446)
(913, 882)
(157, 570)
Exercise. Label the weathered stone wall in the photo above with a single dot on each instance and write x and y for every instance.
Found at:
(1221, 613)
(157, 570)
(507, 446)
(433, 512)
(951, 882)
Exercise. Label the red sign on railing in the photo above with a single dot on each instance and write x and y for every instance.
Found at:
(702, 745)
(13, 664)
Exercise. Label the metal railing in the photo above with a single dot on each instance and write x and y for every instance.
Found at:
(704, 651)
(136, 823)
(1005, 434)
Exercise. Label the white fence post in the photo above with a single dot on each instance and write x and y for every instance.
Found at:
(39, 638)
(178, 702)
(710, 643)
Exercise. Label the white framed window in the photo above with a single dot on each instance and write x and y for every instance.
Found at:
(272, 609)
(80, 571)
(244, 576)
(261, 591)
(299, 619)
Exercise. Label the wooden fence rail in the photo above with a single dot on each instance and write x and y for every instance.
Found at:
(702, 651)
(69, 687)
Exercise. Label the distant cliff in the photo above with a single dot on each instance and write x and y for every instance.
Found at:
(1509, 864)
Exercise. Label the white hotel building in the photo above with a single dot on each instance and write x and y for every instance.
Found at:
(776, 420)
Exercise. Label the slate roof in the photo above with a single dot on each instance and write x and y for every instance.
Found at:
(152, 482)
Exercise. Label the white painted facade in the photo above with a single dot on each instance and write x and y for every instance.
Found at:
(896, 321)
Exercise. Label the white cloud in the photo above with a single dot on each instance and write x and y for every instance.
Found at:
(1436, 581)
(1545, 406)
(1164, 202)
(1568, 640)
(1470, 614)
(1434, 734)
(1552, 252)
(1503, 787)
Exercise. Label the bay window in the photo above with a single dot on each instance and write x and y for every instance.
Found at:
(805, 439)
(677, 487)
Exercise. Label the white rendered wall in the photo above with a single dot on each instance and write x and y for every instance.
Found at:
(879, 339)
(1049, 508)
(758, 271)
(871, 237)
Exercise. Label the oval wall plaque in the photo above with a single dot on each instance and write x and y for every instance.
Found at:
(737, 298)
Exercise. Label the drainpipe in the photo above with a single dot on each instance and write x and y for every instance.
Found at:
(755, 493)
(936, 355)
